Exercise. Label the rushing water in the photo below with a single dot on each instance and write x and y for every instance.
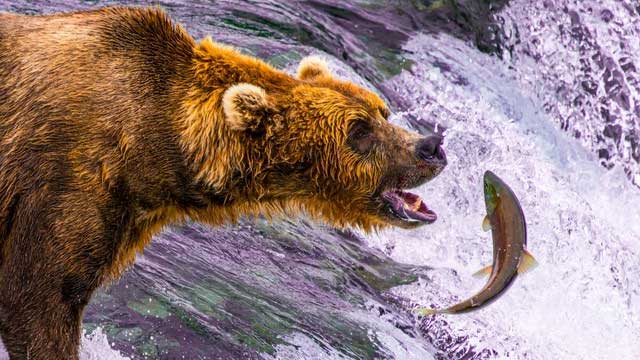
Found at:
(546, 113)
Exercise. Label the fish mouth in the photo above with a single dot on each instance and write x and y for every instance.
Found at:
(407, 208)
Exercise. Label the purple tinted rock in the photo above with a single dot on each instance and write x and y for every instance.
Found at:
(590, 87)
(606, 15)
(575, 17)
(634, 141)
(606, 115)
(604, 154)
(627, 65)
(613, 132)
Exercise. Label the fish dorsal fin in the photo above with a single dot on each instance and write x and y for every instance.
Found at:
(485, 271)
(486, 223)
(527, 263)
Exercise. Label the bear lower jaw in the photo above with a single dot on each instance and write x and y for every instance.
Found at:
(408, 208)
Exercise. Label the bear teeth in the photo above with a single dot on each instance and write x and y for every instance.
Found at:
(408, 206)
(417, 204)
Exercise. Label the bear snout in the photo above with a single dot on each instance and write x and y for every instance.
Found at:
(430, 149)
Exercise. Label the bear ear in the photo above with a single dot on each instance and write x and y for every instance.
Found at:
(313, 66)
(245, 106)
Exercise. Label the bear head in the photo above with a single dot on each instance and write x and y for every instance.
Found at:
(323, 146)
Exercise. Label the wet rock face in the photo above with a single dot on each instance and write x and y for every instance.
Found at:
(585, 61)
(346, 28)
(476, 21)
(239, 292)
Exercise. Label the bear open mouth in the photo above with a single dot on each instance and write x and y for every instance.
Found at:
(408, 207)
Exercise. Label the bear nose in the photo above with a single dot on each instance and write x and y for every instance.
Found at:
(429, 148)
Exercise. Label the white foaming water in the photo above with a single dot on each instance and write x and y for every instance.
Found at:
(583, 301)
(302, 346)
(393, 343)
(95, 346)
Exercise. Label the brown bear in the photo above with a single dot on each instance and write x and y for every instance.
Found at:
(115, 123)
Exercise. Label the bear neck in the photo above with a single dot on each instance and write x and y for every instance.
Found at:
(215, 153)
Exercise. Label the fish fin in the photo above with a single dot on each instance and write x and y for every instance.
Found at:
(527, 263)
(485, 271)
(425, 311)
(486, 223)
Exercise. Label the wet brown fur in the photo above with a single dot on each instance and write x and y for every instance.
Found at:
(112, 125)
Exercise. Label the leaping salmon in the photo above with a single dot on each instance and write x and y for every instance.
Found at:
(506, 221)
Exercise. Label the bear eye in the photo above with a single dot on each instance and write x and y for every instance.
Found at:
(360, 130)
(361, 138)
